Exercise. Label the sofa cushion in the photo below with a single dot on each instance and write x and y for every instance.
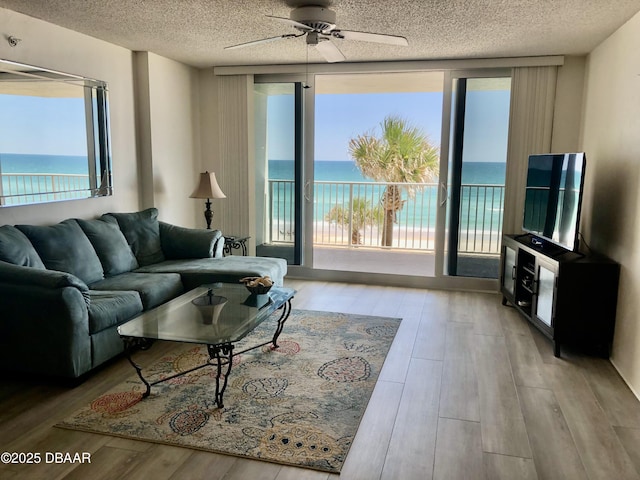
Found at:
(229, 269)
(112, 248)
(179, 242)
(39, 277)
(142, 232)
(111, 308)
(65, 247)
(16, 248)
(154, 289)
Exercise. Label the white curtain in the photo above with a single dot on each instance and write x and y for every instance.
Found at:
(533, 92)
(235, 154)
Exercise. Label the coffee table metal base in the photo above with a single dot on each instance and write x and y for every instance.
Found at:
(220, 356)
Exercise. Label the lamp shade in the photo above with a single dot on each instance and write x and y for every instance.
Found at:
(208, 187)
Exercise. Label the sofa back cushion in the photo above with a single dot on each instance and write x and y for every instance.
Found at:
(112, 248)
(142, 232)
(16, 248)
(180, 242)
(65, 247)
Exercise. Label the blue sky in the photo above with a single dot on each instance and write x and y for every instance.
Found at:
(340, 117)
(41, 125)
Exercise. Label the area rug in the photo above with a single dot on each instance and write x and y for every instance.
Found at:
(300, 404)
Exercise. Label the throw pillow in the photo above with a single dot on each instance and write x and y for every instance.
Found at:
(109, 243)
(17, 249)
(65, 247)
(142, 232)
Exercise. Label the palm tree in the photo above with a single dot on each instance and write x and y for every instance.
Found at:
(363, 214)
(402, 155)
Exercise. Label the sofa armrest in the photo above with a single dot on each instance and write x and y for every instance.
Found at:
(45, 322)
(40, 277)
(180, 242)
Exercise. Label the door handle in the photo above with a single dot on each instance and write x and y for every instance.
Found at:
(307, 191)
(444, 193)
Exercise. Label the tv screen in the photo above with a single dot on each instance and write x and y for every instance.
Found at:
(553, 197)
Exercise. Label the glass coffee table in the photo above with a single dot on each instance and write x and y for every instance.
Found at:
(217, 316)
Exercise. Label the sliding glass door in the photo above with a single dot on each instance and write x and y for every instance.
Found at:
(279, 170)
(376, 150)
(476, 174)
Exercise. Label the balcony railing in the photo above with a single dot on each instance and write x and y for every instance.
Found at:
(355, 221)
(21, 188)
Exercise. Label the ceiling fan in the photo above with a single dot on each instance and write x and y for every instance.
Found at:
(319, 25)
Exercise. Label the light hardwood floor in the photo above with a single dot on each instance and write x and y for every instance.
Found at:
(468, 391)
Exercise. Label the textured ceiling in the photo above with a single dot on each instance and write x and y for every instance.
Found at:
(195, 31)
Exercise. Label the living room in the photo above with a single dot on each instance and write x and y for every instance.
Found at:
(167, 125)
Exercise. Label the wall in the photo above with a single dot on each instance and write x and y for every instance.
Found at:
(568, 105)
(168, 118)
(611, 139)
(50, 46)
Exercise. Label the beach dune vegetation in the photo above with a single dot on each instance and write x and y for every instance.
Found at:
(359, 215)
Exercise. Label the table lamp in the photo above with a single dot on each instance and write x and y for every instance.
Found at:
(208, 188)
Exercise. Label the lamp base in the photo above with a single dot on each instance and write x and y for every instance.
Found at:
(208, 214)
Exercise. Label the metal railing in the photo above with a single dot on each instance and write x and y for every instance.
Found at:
(349, 214)
(21, 188)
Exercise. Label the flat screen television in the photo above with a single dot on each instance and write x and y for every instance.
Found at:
(553, 198)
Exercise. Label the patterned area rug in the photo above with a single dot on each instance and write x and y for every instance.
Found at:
(298, 405)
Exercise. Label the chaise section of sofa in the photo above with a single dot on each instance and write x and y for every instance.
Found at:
(65, 288)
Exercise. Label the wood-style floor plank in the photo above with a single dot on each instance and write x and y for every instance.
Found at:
(526, 362)
(253, 469)
(504, 467)
(411, 451)
(211, 466)
(503, 428)
(106, 464)
(459, 396)
(615, 398)
(368, 451)
(292, 473)
(602, 454)
(159, 463)
(554, 451)
(630, 439)
(455, 436)
(50, 440)
(486, 318)
(397, 362)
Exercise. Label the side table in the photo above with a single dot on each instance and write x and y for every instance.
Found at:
(235, 243)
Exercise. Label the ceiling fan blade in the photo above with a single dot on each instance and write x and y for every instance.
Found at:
(370, 37)
(257, 42)
(293, 23)
(330, 52)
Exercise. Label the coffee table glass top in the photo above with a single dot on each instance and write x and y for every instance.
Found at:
(212, 315)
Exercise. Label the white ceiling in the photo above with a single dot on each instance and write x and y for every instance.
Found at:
(195, 31)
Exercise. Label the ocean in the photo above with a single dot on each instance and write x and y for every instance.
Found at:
(481, 205)
(33, 163)
(473, 173)
(19, 189)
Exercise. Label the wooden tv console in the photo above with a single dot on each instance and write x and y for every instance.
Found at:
(571, 298)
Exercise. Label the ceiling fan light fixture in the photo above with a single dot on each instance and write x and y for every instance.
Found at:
(319, 19)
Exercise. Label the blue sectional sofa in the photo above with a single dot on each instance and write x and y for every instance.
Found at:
(65, 288)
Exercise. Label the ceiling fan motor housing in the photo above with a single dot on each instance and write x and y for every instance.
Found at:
(319, 19)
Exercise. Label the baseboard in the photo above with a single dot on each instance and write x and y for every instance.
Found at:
(625, 380)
